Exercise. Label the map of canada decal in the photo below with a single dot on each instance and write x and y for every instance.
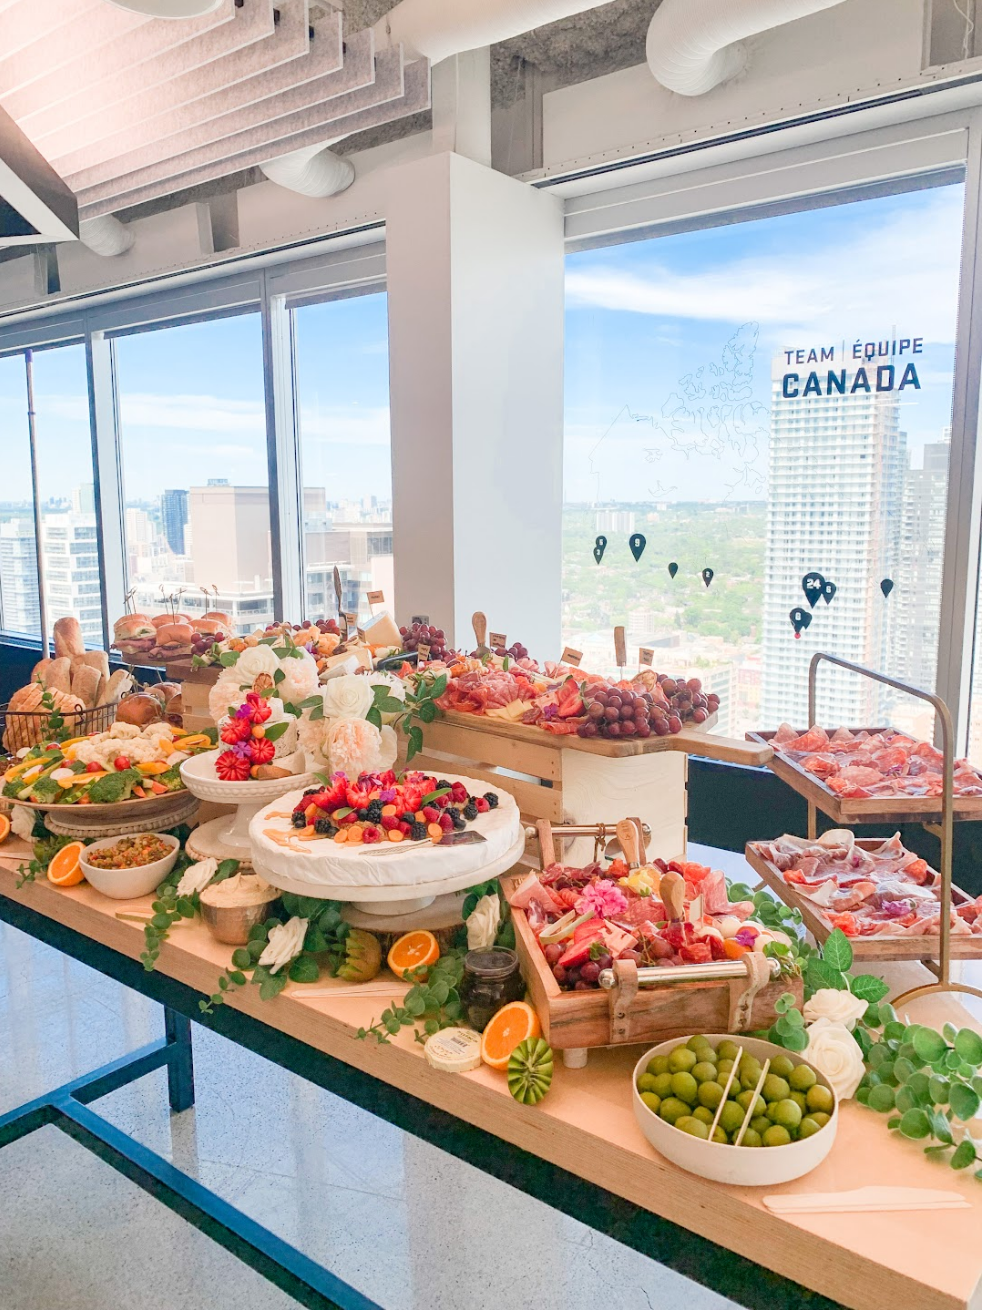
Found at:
(866, 366)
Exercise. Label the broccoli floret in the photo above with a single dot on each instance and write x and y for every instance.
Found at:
(45, 790)
(171, 778)
(114, 786)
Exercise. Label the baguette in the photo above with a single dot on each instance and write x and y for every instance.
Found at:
(68, 637)
(86, 682)
(116, 687)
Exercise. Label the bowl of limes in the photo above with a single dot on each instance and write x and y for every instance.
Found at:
(765, 1132)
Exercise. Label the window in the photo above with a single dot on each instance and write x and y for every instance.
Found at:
(342, 363)
(760, 401)
(195, 471)
(19, 608)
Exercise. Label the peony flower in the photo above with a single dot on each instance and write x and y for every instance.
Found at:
(835, 1006)
(834, 1051)
(196, 877)
(388, 748)
(253, 661)
(285, 944)
(313, 739)
(483, 923)
(347, 697)
(226, 691)
(299, 678)
(353, 746)
(602, 899)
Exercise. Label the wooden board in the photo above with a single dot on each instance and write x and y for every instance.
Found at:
(918, 1261)
(864, 948)
(859, 809)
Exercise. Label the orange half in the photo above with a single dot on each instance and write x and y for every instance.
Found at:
(64, 869)
(4, 827)
(508, 1028)
(414, 950)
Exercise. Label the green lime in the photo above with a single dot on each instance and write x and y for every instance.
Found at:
(658, 1065)
(704, 1072)
(820, 1098)
(710, 1094)
(672, 1108)
(723, 1070)
(685, 1087)
(775, 1088)
(782, 1066)
(760, 1123)
(727, 1050)
(694, 1043)
(800, 1102)
(801, 1077)
(720, 1136)
(808, 1127)
(746, 1099)
(820, 1117)
(681, 1060)
(750, 1138)
(786, 1113)
(731, 1117)
(694, 1127)
(662, 1084)
(651, 1101)
(647, 1083)
(776, 1135)
(702, 1114)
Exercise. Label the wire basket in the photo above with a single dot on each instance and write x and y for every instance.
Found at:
(20, 728)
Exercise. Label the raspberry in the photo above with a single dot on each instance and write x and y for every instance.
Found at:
(370, 835)
(446, 823)
(389, 822)
(481, 804)
(405, 828)
(431, 814)
(458, 793)
(443, 801)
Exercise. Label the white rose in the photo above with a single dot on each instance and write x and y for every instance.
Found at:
(22, 822)
(834, 1051)
(348, 697)
(255, 660)
(197, 877)
(483, 923)
(836, 1006)
(285, 944)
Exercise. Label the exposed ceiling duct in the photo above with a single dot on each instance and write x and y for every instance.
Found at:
(316, 172)
(105, 236)
(695, 45)
(437, 29)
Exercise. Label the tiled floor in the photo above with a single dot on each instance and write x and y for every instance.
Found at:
(407, 1225)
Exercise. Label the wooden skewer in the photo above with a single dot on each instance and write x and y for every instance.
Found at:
(362, 989)
(726, 1092)
(750, 1108)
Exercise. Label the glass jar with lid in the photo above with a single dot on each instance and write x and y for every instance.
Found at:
(491, 979)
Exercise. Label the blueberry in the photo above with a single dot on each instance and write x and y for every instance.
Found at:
(362, 814)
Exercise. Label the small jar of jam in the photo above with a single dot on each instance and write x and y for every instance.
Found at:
(491, 979)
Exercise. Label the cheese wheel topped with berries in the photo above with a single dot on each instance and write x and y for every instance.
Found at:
(384, 830)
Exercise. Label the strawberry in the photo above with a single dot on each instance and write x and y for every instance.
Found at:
(262, 751)
(405, 828)
(231, 767)
(357, 798)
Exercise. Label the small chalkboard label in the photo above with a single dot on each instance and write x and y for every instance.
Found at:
(571, 656)
(496, 639)
(646, 656)
(376, 598)
(351, 620)
(423, 650)
(361, 634)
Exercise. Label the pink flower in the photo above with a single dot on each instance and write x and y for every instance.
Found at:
(602, 899)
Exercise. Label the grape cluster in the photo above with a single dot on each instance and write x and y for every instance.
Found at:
(201, 644)
(516, 651)
(585, 977)
(425, 634)
(618, 712)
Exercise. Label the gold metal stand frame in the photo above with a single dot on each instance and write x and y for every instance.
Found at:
(943, 969)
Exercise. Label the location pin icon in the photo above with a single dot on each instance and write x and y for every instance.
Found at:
(828, 592)
(673, 568)
(707, 576)
(886, 586)
(813, 585)
(637, 544)
(599, 547)
(799, 619)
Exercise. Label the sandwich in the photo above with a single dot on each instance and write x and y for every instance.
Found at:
(134, 634)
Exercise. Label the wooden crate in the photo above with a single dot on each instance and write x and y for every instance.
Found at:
(864, 948)
(625, 1014)
(859, 809)
(196, 685)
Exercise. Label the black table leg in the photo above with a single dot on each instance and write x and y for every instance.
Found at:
(180, 1065)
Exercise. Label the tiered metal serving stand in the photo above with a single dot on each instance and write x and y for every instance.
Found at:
(917, 812)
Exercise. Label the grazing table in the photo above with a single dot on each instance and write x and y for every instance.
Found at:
(579, 1151)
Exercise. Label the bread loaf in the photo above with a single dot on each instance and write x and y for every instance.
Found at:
(27, 717)
(86, 682)
(56, 674)
(116, 688)
(96, 659)
(68, 637)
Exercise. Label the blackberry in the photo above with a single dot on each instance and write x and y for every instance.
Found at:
(311, 791)
(362, 814)
(299, 819)
(374, 812)
(408, 817)
(458, 822)
(418, 832)
(454, 812)
(492, 799)
(470, 811)
(442, 783)
(325, 827)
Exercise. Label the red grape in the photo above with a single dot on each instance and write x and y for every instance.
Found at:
(553, 953)
(590, 971)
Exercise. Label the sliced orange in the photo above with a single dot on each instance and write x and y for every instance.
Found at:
(64, 869)
(508, 1028)
(4, 827)
(413, 950)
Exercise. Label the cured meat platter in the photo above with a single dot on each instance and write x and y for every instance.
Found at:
(856, 775)
(885, 898)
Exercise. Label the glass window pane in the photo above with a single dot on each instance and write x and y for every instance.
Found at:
(19, 609)
(720, 402)
(66, 485)
(195, 473)
(342, 356)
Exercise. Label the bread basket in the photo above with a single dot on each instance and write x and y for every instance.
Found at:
(20, 728)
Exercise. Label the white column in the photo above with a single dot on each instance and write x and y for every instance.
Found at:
(475, 284)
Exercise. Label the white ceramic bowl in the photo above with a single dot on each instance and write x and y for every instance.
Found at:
(199, 776)
(741, 1165)
(126, 884)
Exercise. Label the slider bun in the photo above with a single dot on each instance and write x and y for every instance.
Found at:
(162, 620)
(131, 626)
(175, 634)
(209, 627)
(218, 617)
(139, 709)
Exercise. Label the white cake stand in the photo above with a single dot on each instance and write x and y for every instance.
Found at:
(227, 837)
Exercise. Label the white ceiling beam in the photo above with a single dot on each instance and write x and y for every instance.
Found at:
(32, 192)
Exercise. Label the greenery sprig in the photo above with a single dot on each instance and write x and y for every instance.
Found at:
(433, 1001)
(169, 908)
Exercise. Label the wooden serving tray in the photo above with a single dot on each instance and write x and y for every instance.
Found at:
(862, 809)
(864, 948)
(578, 1020)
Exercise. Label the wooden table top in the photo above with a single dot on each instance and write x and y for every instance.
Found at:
(915, 1260)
